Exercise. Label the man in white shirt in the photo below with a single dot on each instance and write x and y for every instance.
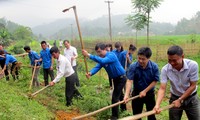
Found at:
(64, 69)
(183, 76)
(71, 54)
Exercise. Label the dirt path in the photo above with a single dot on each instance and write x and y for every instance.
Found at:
(62, 115)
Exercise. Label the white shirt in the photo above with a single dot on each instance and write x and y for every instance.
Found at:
(60, 43)
(69, 53)
(180, 80)
(64, 68)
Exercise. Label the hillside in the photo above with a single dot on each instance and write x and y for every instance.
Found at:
(66, 28)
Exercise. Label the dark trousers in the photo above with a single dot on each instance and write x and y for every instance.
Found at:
(2, 63)
(119, 84)
(191, 105)
(110, 81)
(148, 100)
(70, 89)
(76, 74)
(46, 78)
(14, 71)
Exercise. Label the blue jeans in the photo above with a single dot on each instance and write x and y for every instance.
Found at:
(191, 106)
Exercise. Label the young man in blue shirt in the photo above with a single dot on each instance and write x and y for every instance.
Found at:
(46, 59)
(34, 56)
(9, 59)
(110, 62)
(144, 75)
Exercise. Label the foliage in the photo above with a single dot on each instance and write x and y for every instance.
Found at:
(17, 49)
(143, 10)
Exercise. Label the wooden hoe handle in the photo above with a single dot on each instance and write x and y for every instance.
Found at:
(35, 93)
(138, 116)
(104, 108)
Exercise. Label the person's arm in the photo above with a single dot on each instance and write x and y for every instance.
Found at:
(6, 63)
(143, 93)
(128, 89)
(177, 103)
(106, 59)
(4, 68)
(128, 58)
(60, 73)
(153, 83)
(160, 96)
(52, 62)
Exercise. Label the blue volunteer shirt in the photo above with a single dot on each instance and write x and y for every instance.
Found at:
(117, 53)
(10, 59)
(122, 58)
(46, 58)
(111, 64)
(1, 58)
(142, 78)
(33, 56)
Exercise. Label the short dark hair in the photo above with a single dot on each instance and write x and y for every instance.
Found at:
(65, 41)
(54, 50)
(43, 42)
(27, 48)
(2, 52)
(109, 45)
(102, 46)
(146, 51)
(175, 50)
(132, 47)
(118, 44)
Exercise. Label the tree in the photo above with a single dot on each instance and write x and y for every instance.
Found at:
(137, 22)
(4, 35)
(23, 33)
(144, 8)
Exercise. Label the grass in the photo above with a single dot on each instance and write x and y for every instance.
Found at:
(14, 106)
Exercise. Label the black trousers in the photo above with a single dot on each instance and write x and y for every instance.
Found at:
(14, 71)
(70, 89)
(46, 73)
(2, 63)
(119, 84)
(137, 104)
(76, 74)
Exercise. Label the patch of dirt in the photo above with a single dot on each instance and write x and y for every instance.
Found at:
(62, 115)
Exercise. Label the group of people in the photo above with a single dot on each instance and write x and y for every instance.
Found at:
(136, 78)
(5, 59)
(142, 77)
(66, 67)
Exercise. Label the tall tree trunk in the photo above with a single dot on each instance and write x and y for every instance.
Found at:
(148, 29)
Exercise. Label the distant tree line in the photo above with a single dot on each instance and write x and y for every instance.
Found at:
(10, 32)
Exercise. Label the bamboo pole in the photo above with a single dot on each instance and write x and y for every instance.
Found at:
(31, 83)
(138, 116)
(104, 108)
